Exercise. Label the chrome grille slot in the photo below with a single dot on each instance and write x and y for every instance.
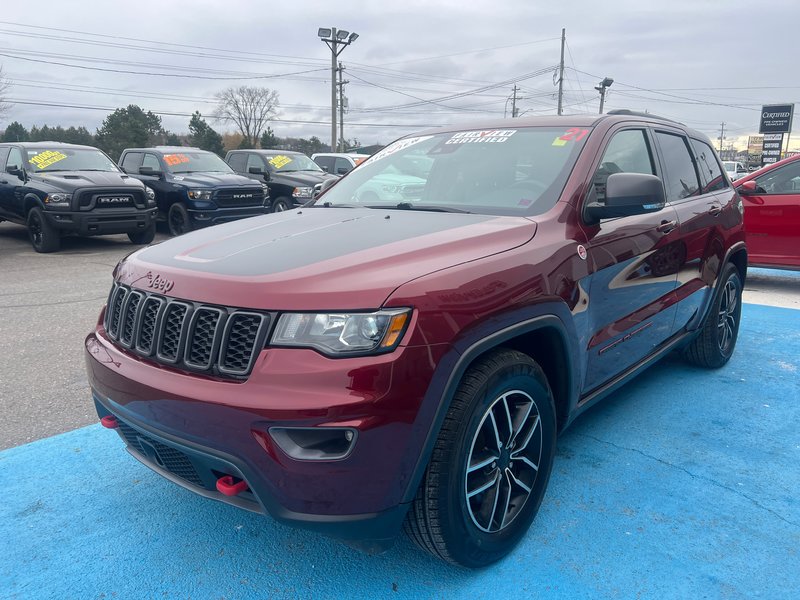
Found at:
(203, 338)
(242, 333)
(129, 314)
(171, 333)
(150, 312)
(115, 310)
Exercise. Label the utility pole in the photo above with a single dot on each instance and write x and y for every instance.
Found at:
(721, 136)
(337, 40)
(602, 87)
(341, 85)
(561, 72)
(514, 111)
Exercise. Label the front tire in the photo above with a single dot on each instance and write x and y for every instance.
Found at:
(714, 346)
(280, 205)
(44, 237)
(178, 219)
(490, 465)
(143, 237)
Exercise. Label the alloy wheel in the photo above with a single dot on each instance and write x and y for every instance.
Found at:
(726, 317)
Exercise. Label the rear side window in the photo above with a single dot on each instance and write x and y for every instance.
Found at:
(627, 152)
(132, 162)
(14, 159)
(342, 166)
(680, 180)
(237, 162)
(708, 165)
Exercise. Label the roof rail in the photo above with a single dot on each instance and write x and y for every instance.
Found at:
(636, 113)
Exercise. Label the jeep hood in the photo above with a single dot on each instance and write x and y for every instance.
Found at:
(318, 258)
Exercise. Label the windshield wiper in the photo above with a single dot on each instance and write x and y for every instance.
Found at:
(332, 205)
(423, 207)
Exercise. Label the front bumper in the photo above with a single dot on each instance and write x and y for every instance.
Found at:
(204, 218)
(194, 429)
(102, 221)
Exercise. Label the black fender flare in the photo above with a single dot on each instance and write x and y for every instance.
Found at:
(463, 352)
(29, 202)
(702, 315)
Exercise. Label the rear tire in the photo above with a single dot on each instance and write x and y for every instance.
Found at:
(44, 237)
(490, 465)
(143, 237)
(714, 346)
(178, 219)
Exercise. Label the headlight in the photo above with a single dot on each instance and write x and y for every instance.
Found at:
(200, 194)
(392, 189)
(151, 196)
(343, 334)
(303, 192)
(58, 199)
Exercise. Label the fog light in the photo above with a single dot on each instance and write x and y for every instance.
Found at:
(315, 443)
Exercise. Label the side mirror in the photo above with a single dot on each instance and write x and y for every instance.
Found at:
(326, 185)
(255, 171)
(326, 169)
(16, 171)
(628, 194)
(749, 188)
(342, 170)
(150, 171)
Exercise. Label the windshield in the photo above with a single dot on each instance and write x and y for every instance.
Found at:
(195, 161)
(41, 160)
(506, 172)
(286, 163)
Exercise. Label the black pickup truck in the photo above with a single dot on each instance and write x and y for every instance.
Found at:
(55, 189)
(194, 188)
(291, 177)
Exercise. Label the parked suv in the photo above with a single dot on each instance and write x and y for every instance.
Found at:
(56, 189)
(290, 176)
(338, 163)
(413, 361)
(193, 188)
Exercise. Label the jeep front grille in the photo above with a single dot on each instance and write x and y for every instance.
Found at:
(221, 341)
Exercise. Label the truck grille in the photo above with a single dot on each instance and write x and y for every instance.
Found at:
(221, 341)
(112, 198)
(239, 197)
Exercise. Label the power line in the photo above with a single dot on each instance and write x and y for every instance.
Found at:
(401, 62)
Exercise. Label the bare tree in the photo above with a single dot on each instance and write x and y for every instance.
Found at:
(5, 85)
(249, 108)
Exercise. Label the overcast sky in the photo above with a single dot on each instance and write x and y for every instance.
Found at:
(415, 64)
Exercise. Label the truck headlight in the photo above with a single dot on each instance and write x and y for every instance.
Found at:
(151, 196)
(200, 194)
(58, 200)
(303, 192)
(343, 334)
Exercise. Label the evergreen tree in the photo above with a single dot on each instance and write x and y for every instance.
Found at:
(15, 132)
(129, 127)
(201, 135)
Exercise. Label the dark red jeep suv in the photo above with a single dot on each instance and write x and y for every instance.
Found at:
(356, 367)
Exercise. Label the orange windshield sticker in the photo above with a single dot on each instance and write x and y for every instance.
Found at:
(573, 134)
(175, 159)
(46, 158)
(279, 161)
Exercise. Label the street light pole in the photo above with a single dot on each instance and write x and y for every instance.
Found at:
(605, 84)
(337, 40)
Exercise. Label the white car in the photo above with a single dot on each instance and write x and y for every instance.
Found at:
(338, 163)
(734, 169)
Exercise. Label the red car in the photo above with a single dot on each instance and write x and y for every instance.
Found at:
(772, 214)
(356, 367)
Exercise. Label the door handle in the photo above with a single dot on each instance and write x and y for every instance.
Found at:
(714, 210)
(666, 226)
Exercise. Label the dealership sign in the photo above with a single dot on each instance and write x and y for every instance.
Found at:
(776, 118)
(773, 143)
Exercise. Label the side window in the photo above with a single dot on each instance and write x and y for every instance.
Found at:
(3, 155)
(132, 162)
(237, 162)
(680, 178)
(342, 163)
(14, 159)
(627, 152)
(325, 163)
(254, 160)
(151, 161)
(708, 165)
(785, 180)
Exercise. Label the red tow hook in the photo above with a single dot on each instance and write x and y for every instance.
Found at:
(109, 422)
(226, 485)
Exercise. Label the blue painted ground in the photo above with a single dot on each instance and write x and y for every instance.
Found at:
(682, 485)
